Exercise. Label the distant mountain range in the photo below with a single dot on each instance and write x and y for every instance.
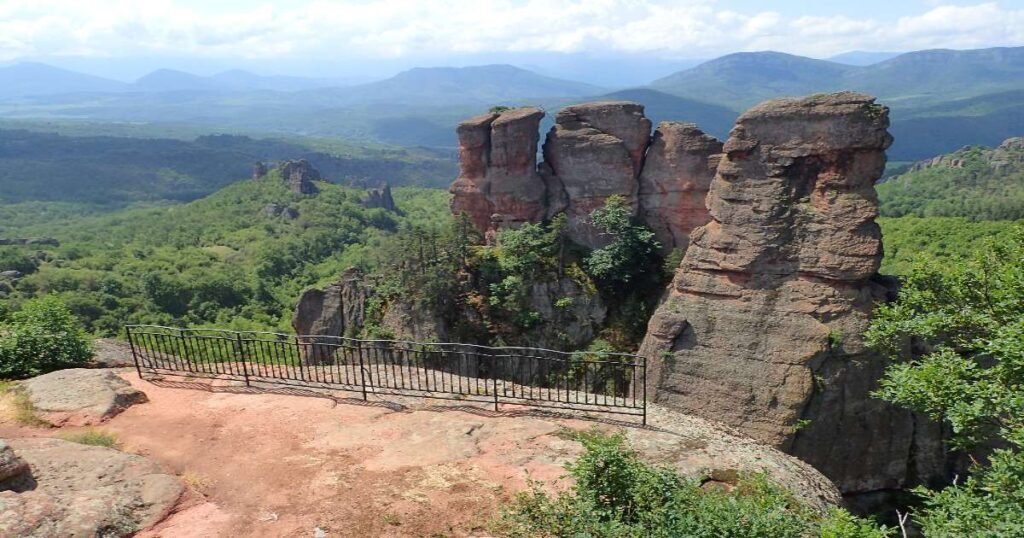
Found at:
(915, 78)
(941, 99)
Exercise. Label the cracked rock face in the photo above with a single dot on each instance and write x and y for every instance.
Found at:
(594, 151)
(498, 184)
(337, 310)
(761, 328)
(677, 173)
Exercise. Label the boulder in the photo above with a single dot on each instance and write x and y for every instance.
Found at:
(81, 491)
(337, 310)
(10, 275)
(761, 327)
(677, 173)
(80, 397)
(498, 184)
(13, 468)
(594, 151)
(299, 176)
(110, 353)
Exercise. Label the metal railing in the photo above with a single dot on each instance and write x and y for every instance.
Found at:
(584, 381)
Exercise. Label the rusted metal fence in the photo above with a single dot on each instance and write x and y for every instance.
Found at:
(584, 381)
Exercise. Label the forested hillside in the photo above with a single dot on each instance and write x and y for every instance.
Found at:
(117, 170)
(975, 183)
(238, 258)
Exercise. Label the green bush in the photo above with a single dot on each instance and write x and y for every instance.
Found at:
(41, 337)
(616, 495)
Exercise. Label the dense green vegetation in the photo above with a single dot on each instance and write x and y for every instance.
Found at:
(942, 240)
(40, 337)
(117, 169)
(984, 184)
(617, 495)
(230, 259)
(965, 367)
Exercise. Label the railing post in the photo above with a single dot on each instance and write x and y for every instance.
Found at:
(131, 344)
(245, 369)
(643, 362)
(362, 370)
(494, 379)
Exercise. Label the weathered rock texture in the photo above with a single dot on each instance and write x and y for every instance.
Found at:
(80, 397)
(299, 176)
(594, 151)
(381, 199)
(81, 491)
(337, 310)
(761, 328)
(13, 468)
(498, 183)
(680, 165)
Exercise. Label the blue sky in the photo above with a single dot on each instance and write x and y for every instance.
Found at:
(296, 36)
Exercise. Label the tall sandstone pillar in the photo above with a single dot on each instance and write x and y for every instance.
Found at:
(762, 327)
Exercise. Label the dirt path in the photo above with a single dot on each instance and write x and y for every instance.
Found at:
(273, 465)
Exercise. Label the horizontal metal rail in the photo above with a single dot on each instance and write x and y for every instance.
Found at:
(584, 381)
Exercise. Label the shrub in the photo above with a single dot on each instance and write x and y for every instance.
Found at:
(41, 337)
(617, 495)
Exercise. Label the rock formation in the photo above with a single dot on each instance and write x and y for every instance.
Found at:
(299, 176)
(337, 310)
(761, 327)
(259, 170)
(594, 151)
(380, 199)
(674, 182)
(13, 468)
(83, 491)
(80, 397)
(498, 183)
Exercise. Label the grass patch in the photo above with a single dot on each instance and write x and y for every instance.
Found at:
(92, 438)
(16, 405)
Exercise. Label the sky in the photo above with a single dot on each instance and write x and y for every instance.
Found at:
(126, 38)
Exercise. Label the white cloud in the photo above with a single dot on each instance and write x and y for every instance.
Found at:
(394, 28)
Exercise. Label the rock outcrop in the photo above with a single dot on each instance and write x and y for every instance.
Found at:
(337, 310)
(594, 151)
(259, 170)
(13, 468)
(761, 328)
(498, 183)
(80, 491)
(380, 199)
(299, 176)
(80, 397)
(677, 173)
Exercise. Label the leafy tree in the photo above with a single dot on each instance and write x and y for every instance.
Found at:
(41, 337)
(956, 335)
(632, 251)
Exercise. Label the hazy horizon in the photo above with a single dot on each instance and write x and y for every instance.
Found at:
(367, 40)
